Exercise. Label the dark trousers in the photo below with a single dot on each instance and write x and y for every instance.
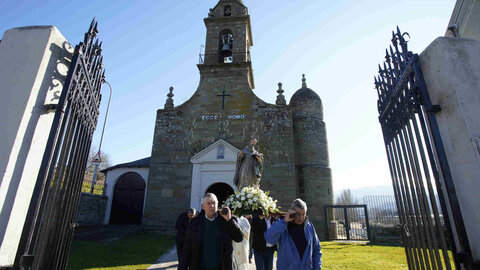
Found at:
(179, 249)
(264, 259)
(250, 251)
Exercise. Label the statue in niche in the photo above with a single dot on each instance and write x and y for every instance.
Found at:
(249, 167)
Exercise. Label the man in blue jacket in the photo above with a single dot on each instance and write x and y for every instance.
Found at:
(298, 244)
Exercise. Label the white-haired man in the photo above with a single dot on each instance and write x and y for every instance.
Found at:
(298, 244)
(208, 241)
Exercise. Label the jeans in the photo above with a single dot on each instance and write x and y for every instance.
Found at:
(264, 259)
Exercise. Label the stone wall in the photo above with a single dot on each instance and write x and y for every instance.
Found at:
(91, 209)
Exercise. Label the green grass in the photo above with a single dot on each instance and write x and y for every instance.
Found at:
(362, 257)
(141, 251)
(97, 188)
(135, 252)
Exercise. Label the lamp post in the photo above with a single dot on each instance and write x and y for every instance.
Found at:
(97, 160)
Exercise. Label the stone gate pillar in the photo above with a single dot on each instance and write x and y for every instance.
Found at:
(34, 62)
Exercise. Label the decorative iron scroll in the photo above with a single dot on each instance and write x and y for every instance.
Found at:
(48, 229)
(418, 164)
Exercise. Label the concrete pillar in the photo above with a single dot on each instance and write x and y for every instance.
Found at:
(33, 65)
(466, 18)
(451, 67)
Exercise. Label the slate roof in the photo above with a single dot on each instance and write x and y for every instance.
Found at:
(141, 163)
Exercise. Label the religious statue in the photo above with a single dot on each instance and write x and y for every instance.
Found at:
(249, 166)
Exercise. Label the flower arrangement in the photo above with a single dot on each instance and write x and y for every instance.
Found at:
(251, 200)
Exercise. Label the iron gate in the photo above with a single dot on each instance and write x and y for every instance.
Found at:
(418, 165)
(347, 222)
(48, 229)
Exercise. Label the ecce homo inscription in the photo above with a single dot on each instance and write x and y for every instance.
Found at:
(218, 117)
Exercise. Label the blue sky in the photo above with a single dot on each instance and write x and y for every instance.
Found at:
(150, 45)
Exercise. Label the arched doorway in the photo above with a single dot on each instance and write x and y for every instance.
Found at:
(128, 197)
(221, 190)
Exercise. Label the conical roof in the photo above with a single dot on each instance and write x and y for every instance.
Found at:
(304, 93)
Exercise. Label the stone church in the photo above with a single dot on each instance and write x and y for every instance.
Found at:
(195, 144)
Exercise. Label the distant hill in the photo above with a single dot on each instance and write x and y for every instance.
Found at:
(359, 193)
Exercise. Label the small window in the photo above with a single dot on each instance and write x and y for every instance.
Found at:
(221, 152)
(227, 11)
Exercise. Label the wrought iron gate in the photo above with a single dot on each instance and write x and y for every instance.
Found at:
(418, 164)
(347, 222)
(48, 229)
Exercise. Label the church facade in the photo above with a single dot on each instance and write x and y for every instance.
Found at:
(195, 144)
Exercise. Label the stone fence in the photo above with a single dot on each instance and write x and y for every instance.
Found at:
(91, 209)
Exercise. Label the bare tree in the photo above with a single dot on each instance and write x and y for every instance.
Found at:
(103, 165)
(346, 198)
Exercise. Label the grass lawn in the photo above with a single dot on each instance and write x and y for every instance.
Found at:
(362, 257)
(135, 252)
(140, 251)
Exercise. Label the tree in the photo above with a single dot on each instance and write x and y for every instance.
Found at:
(346, 198)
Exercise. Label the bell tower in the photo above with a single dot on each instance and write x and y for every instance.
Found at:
(229, 37)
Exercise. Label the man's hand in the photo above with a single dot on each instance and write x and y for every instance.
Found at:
(287, 215)
(228, 215)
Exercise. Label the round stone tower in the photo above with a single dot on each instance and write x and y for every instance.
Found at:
(313, 174)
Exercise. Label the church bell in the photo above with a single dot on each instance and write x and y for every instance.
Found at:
(226, 48)
(227, 41)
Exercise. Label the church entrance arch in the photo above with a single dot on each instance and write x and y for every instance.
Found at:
(128, 198)
(222, 191)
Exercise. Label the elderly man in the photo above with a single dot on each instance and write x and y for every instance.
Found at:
(181, 225)
(298, 245)
(208, 241)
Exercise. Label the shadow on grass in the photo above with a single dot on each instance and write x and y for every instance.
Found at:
(135, 251)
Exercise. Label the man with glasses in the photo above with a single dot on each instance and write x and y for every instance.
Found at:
(298, 244)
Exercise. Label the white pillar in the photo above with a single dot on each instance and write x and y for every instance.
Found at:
(33, 64)
(451, 67)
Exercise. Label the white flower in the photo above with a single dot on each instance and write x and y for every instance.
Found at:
(250, 201)
(243, 198)
(249, 195)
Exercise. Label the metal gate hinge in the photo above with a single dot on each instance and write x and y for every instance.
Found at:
(433, 108)
(50, 107)
(26, 260)
(462, 257)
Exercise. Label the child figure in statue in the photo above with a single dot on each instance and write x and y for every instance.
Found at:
(249, 166)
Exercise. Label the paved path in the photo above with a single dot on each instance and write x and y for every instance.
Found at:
(169, 261)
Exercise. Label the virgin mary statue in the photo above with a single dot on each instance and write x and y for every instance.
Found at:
(249, 166)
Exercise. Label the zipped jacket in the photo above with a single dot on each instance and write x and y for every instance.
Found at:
(287, 254)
